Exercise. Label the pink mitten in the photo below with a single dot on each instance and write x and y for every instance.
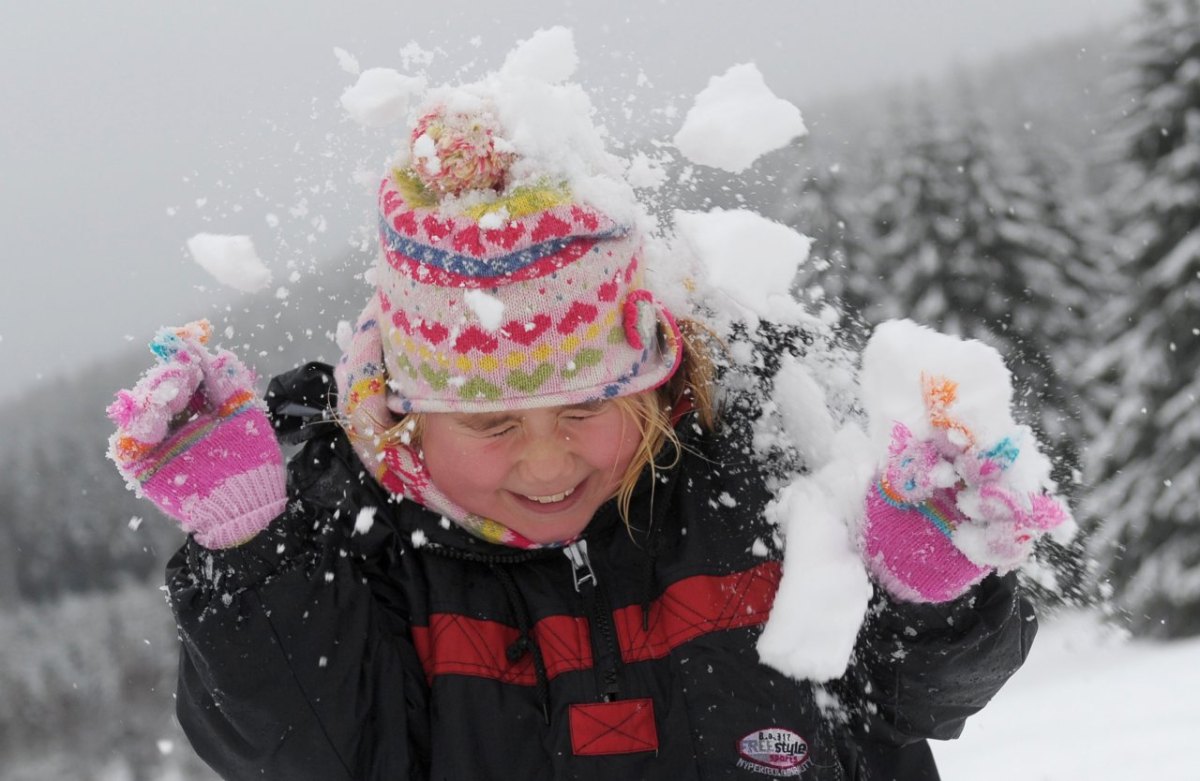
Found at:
(943, 513)
(194, 438)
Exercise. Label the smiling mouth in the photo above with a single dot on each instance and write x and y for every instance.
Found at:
(551, 498)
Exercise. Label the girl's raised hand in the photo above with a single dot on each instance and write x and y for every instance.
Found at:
(963, 490)
(193, 437)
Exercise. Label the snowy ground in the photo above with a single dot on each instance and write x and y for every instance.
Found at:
(1087, 705)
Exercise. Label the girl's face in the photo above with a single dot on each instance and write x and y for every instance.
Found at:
(541, 472)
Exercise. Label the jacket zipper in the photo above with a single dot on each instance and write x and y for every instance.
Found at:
(606, 654)
(581, 565)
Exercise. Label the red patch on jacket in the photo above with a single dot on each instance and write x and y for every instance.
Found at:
(620, 727)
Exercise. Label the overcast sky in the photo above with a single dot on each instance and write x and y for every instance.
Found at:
(128, 126)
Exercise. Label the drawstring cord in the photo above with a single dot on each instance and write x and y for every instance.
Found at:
(653, 545)
(525, 642)
(648, 573)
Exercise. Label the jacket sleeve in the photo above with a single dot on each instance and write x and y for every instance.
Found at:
(920, 670)
(290, 668)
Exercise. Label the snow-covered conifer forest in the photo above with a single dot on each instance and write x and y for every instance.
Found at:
(1060, 224)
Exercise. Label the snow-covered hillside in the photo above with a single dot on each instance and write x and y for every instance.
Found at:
(1088, 704)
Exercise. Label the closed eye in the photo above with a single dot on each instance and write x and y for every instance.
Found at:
(486, 425)
(579, 417)
(585, 411)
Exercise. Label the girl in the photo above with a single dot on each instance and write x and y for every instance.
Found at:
(522, 536)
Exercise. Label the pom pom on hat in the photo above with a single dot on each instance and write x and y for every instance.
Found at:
(454, 152)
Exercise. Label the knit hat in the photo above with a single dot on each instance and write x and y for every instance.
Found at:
(492, 297)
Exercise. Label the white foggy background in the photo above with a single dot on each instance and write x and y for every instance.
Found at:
(130, 126)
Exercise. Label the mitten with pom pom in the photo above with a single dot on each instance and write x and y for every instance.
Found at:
(193, 437)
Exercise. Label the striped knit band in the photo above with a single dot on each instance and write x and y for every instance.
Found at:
(186, 437)
(532, 302)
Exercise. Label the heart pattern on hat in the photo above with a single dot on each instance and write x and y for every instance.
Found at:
(586, 357)
(530, 382)
(577, 315)
(475, 338)
(528, 331)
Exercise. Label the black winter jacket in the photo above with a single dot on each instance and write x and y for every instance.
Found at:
(337, 645)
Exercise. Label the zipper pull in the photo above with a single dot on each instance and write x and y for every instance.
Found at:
(581, 565)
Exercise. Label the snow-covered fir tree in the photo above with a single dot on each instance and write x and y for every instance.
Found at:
(839, 268)
(1146, 465)
(969, 237)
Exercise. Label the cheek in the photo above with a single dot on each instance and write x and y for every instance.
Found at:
(614, 447)
(458, 467)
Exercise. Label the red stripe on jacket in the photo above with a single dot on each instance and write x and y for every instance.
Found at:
(697, 606)
(455, 644)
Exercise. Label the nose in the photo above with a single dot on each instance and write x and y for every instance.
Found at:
(547, 459)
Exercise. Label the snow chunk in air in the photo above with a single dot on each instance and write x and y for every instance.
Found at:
(231, 260)
(748, 257)
(803, 411)
(825, 590)
(547, 56)
(347, 61)
(365, 520)
(735, 120)
(381, 96)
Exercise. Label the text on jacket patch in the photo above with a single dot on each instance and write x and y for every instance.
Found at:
(775, 752)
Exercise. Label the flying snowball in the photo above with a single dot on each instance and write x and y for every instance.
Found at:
(381, 96)
(808, 638)
(646, 172)
(347, 61)
(750, 258)
(547, 56)
(735, 120)
(231, 260)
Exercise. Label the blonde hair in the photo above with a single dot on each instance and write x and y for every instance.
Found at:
(653, 411)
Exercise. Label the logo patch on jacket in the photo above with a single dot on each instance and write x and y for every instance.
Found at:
(775, 752)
